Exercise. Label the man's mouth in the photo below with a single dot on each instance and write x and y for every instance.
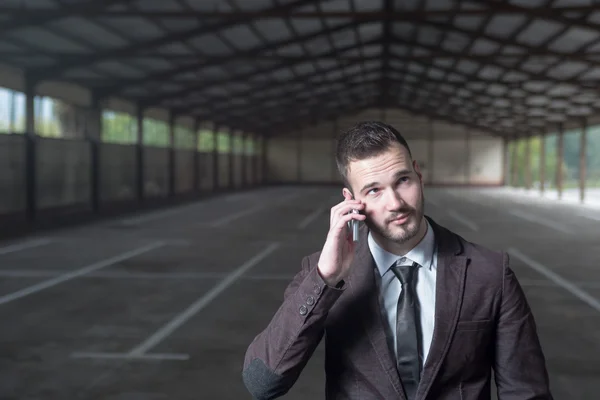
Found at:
(401, 218)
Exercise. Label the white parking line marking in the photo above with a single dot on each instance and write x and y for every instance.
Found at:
(554, 277)
(202, 302)
(73, 274)
(463, 220)
(25, 245)
(549, 224)
(310, 218)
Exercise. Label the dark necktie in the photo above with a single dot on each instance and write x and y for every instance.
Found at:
(407, 332)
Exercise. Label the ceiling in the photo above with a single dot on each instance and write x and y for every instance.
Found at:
(506, 67)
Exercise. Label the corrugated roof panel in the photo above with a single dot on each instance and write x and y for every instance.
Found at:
(538, 31)
(467, 66)
(210, 44)
(84, 73)
(119, 69)
(484, 46)
(134, 27)
(35, 61)
(573, 39)
(6, 46)
(151, 63)
(403, 30)
(502, 25)
(46, 40)
(372, 50)
(490, 72)
(455, 42)
(335, 5)
(567, 69)
(242, 37)
(594, 73)
(90, 32)
(209, 5)
(180, 24)
(428, 35)
(175, 48)
(158, 5)
(33, 4)
(345, 38)
(273, 29)
(306, 26)
(469, 22)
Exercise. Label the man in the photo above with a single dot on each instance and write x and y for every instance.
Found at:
(411, 311)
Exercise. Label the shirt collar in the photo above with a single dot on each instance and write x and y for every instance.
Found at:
(422, 253)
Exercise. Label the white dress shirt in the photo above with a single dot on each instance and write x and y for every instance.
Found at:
(423, 254)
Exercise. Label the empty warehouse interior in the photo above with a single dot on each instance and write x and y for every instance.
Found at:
(167, 165)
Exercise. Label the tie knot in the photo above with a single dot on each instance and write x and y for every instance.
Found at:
(404, 273)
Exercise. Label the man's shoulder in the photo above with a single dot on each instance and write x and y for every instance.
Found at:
(486, 265)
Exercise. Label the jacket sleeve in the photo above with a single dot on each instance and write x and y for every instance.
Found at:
(276, 356)
(519, 365)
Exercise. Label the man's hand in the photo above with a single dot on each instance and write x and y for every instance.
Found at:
(338, 251)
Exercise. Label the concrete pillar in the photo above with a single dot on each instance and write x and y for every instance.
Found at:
(244, 159)
(528, 176)
(468, 156)
(263, 156)
(299, 156)
(543, 163)
(94, 135)
(215, 157)
(196, 155)
(30, 150)
(231, 156)
(171, 166)
(12, 112)
(140, 178)
(30, 86)
(515, 162)
(560, 157)
(582, 159)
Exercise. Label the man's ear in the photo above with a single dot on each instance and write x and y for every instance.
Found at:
(418, 170)
(347, 194)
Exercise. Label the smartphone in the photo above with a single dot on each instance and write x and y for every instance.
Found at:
(354, 225)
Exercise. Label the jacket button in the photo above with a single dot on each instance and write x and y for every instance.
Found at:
(310, 300)
(303, 310)
(317, 289)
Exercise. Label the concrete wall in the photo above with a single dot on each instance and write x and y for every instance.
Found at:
(460, 156)
(117, 172)
(63, 172)
(223, 160)
(205, 170)
(12, 173)
(156, 171)
(184, 171)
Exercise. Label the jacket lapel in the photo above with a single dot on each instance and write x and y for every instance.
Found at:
(362, 285)
(451, 269)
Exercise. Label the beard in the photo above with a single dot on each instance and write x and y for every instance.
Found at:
(400, 233)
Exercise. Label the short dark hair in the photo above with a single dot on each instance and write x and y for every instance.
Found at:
(363, 140)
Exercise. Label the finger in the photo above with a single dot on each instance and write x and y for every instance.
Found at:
(340, 224)
(344, 206)
(344, 210)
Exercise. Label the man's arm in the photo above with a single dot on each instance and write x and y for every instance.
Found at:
(276, 356)
(519, 365)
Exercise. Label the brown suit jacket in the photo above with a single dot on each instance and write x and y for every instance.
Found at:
(482, 323)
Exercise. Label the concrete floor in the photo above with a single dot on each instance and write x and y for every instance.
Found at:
(163, 305)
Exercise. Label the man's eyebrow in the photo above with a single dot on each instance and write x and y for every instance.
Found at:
(396, 175)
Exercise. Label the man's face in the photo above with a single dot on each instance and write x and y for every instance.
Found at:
(390, 185)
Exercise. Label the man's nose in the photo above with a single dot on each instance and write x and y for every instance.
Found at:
(395, 200)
